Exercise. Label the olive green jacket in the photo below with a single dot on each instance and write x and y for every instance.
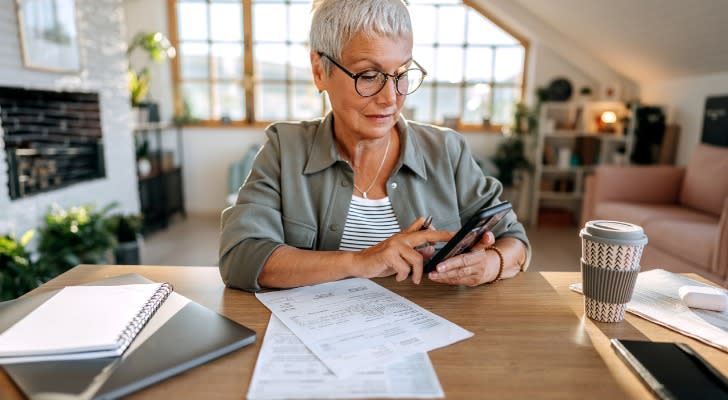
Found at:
(299, 190)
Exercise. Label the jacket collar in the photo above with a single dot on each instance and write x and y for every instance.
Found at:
(323, 152)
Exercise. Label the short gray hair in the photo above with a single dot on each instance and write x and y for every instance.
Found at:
(335, 22)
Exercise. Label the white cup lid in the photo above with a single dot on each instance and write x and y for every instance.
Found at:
(614, 232)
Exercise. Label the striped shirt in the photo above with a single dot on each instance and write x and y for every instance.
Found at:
(368, 223)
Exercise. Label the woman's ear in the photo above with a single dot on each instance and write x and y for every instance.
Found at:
(318, 71)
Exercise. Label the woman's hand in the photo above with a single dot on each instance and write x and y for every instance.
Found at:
(472, 268)
(398, 254)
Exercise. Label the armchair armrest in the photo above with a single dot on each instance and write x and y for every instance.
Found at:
(720, 258)
(637, 184)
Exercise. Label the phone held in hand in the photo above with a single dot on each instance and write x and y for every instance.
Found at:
(473, 230)
(672, 370)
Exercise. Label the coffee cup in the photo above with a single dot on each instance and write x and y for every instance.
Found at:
(610, 261)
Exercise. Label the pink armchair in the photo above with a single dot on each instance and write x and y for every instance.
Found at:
(684, 211)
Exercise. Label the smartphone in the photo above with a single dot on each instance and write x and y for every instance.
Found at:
(672, 370)
(480, 223)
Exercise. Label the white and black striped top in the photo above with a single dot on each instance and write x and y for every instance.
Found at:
(368, 223)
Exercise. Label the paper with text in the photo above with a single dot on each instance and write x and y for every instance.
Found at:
(656, 299)
(354, 323)
(286, 369)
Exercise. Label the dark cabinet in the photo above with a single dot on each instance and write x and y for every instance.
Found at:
(159, 172)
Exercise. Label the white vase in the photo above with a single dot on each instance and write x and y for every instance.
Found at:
(144, 166)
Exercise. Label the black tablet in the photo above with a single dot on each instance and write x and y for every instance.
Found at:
(480, 223)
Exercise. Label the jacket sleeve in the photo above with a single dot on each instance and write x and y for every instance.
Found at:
(475, 191)
(252, 228)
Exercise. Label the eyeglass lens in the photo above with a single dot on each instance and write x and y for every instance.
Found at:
(370, 83)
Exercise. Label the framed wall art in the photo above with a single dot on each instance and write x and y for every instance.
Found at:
(48, 34)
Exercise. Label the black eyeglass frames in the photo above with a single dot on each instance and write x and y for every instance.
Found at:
(370, 82)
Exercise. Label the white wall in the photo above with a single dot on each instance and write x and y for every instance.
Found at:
(684, 100)
(100, 28)
(555, 55)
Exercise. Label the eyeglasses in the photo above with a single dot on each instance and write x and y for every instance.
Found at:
(371, 82)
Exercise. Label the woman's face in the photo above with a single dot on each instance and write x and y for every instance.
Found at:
(366, 117)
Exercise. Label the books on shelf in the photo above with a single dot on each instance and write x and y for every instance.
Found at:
(82, 322)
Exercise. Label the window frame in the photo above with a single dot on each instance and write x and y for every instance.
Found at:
(250, 121)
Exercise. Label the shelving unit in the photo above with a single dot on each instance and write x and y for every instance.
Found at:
(161, 193)
(569, 146)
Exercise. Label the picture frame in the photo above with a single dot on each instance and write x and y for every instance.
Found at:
(49, 35)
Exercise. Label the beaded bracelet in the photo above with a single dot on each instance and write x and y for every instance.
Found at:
(501, 265)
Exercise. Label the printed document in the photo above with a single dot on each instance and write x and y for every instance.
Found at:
(354, 323)
(286, 369)
(656, 299)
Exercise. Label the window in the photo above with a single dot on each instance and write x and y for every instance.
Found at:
(475, 68)
(247, 60)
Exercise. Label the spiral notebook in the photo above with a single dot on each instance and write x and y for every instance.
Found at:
(82, 322)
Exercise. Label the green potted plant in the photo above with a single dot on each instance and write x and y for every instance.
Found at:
(75, 236)
(127, 230)
(158, 48)
(18, 272)
(509, 157)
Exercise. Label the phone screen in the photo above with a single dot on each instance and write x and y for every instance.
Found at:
(673, 370)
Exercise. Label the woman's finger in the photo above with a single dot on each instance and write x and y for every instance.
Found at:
(416, 225)
(414, 259)
(486, 241)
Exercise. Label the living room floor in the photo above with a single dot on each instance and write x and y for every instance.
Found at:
(194, 241)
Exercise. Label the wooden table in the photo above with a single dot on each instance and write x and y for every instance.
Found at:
(531, 338)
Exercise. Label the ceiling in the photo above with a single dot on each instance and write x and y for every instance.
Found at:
(645, 40)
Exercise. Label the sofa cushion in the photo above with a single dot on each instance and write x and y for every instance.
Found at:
(640, 214)
(705, 186)
(691, 241)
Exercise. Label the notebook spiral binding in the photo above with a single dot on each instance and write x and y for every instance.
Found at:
(144, 315)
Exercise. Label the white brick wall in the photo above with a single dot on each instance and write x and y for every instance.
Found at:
(103, 61)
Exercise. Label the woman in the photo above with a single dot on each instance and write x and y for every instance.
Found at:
(346, 195)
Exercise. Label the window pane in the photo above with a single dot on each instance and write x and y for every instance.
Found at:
(450, 29)
(299, 22)
(479, 65)
(226, 21)
(423, 24)
(482, 31)
(425, 55)
(300, 64)
(449, 64)
(192, 21)
(269, 23)
(421, 102)
(477, 103)
(509, 64)
(271, 101)
(227, 61)
(270, 61)
(447, 102)
(230, 101)
(504, 100)
(197, 96)
(193, 61)
(306, 102)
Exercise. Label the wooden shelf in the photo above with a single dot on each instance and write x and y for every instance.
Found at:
(582, 143)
